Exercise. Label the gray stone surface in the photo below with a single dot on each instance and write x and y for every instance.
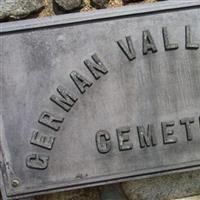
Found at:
(165, 187)
(70, 4)
(99, 3)
(17, 9)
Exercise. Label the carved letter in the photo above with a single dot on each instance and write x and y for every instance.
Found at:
(50, 120)
(148, 43)
(128, 51)
(103, 141)
(37, 161)
(80, 81)
(167, 44)
(147, 138)
(96, 67)
(42, 140)
(188, 40)
(168, 137)
(187, 122)
(123, 139)
(66, 101)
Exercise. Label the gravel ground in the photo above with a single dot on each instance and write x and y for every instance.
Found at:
(49, 11)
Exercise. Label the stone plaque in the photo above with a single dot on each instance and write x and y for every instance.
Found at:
(96, 98)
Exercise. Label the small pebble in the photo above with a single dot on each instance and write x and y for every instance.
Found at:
(69, 5)
(99, 3)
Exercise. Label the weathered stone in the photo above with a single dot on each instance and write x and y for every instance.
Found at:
(164, 188)
(69, 5)
(99, 3)
(17, 9)
(83, 194)
(131, 1)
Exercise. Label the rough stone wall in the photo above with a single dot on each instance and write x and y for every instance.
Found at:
(169, 187)
(18, 9)
(159, 188)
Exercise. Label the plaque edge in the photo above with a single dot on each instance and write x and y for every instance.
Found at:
(74, 18)
(77, 18)
(181, 168)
